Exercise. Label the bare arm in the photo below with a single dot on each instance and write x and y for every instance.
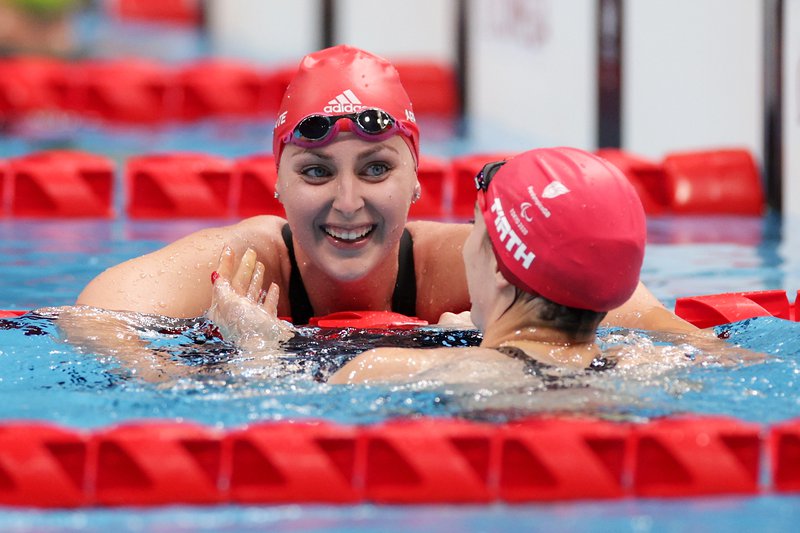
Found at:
(644, 311)
(381, 365)
(116, 334)
(174, 281)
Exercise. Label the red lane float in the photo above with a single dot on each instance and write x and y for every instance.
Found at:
(216, 88)
(293, 462)
(5, 197)
(714, 182)
(254, 181)
(432, 87)
(646, 176)
(430, 460)
(8, 313)
(696, 456)
(464, 169)
(31, 84)
(558, 459)
(715, 309)
(784, 453)
(694, 182)
(149, 463)
(60, 184)
(130, 91)
(42, 465)
(435, 180)
(184, 12)
(178, 185)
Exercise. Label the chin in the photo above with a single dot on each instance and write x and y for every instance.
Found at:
(477, 318)
(350, 272)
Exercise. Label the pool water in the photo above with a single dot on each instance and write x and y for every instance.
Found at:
(193, 375)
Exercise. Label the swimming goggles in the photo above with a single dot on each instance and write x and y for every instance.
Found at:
(371, 124)
(484, 177)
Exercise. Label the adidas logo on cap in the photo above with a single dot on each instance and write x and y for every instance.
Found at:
(346, 102)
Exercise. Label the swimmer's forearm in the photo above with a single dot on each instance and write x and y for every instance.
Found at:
(99, 332)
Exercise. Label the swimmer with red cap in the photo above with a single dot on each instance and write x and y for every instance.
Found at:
(346, 144)
(558, 241)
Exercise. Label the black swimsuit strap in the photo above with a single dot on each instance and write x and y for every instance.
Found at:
(532, 366)
(404, 298)
(298, 297)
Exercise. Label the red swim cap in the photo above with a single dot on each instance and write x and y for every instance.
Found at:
(342, 80)
(567, 225)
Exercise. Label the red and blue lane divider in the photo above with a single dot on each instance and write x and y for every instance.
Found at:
(58, 184)
(402, 461)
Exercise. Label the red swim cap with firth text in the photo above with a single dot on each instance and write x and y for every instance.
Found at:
(567, 225)
(343, 80)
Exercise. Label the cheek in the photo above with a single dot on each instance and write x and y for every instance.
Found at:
(393, 198)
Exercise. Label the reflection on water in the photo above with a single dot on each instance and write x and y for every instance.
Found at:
(180, 369)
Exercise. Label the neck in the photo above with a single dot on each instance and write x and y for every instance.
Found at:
(371, 292)
(541, 341)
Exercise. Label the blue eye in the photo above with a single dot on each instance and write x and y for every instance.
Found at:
(376, 170)
(315, 172)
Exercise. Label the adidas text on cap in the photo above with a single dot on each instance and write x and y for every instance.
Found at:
(567, 225)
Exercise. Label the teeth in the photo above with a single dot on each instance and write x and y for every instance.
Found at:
(348, 235)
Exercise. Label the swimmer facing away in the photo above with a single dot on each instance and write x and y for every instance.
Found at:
(346, 147)
(558, 241)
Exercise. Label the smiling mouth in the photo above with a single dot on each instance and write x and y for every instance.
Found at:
(349, 235)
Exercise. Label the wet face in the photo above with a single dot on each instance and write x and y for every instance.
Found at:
(347, 202)
(480, 267)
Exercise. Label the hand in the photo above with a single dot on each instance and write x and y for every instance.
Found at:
(460, 320)
(245, 314)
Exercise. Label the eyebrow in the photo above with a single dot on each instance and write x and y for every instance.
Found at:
(317, 152)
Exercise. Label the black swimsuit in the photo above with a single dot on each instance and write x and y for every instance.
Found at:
(404, 297)
(534, 367)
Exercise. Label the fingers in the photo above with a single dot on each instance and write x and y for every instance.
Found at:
(244, 273)
(269, 299)
(256, 281)
(226, 264)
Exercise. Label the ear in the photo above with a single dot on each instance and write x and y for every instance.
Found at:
(417, 192)
(500, 280)
(279, 190)
(506, 292)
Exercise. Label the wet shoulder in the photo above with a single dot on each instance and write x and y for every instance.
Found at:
(439, 268)
(437, 241)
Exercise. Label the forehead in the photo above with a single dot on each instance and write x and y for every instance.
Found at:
(347, 145)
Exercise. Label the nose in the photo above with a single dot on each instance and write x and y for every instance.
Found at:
(348, 198)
